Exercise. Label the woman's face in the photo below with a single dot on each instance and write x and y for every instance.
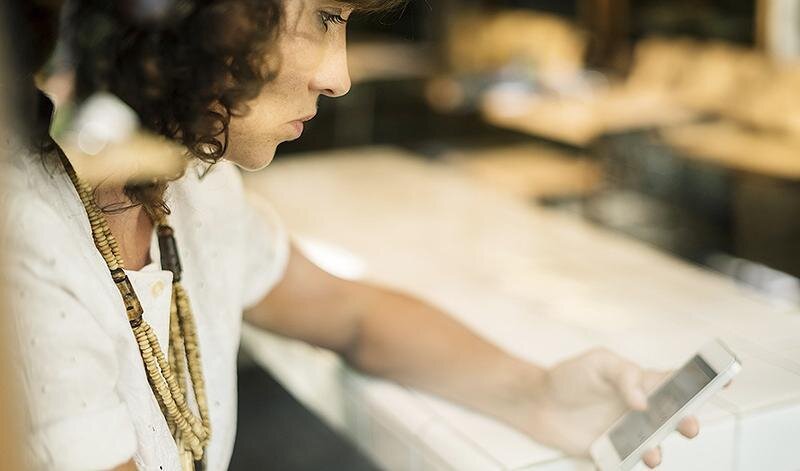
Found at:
(313, 62)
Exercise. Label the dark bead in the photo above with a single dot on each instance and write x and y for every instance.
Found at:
(169, 251)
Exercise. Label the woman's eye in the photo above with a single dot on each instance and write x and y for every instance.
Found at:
(329, 18)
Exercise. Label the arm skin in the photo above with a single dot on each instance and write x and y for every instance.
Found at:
(385, 333)
(398, 337)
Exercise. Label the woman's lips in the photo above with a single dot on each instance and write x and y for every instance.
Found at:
(299, 126)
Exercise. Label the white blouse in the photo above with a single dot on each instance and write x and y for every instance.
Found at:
(89, 403)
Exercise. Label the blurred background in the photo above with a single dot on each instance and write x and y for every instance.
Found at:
(677, 123)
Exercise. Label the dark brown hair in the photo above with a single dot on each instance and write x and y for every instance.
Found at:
(185, 77)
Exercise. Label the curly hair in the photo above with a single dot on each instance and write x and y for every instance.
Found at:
(185, 77)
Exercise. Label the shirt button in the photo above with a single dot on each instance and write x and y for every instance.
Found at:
(157, 288)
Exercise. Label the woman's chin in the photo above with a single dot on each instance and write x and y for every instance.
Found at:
(255, 160)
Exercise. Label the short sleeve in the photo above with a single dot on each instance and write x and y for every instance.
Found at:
(66, 363)
(266, 249)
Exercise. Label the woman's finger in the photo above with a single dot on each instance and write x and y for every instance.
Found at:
(628, 381)
(652, 379)
(689, 427)
(652, 458)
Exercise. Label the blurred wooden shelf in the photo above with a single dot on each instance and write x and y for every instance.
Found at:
(730, 145)
(578, 121)
(530, 171)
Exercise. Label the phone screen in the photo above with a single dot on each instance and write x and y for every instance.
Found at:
(637, 426)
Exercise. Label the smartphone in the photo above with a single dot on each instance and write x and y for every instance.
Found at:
(680, 395)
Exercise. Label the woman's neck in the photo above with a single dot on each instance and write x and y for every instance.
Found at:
(131, 227)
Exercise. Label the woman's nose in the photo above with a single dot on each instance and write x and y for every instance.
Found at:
(333, 77)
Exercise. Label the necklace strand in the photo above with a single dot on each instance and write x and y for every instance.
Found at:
(167, 376)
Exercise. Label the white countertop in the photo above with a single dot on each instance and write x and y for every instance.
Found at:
(544, 286)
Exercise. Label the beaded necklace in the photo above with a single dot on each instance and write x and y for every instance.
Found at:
(167, 376)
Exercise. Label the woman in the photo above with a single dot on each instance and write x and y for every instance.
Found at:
(122, 371)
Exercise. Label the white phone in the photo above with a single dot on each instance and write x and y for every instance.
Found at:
(705, 374)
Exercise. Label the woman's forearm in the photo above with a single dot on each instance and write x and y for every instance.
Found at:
(406, 340)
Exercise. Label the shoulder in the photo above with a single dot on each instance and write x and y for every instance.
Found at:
(41, 254)
(212, 198)
(41, 234)
(207, 193)
(218, 213)
(29, 202)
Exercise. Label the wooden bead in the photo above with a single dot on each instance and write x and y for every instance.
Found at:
(132, 305)
(167, 376)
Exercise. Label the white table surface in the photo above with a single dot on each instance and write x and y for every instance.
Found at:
(544, 286)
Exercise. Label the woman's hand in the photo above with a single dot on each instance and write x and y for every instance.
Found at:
(577, 400)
